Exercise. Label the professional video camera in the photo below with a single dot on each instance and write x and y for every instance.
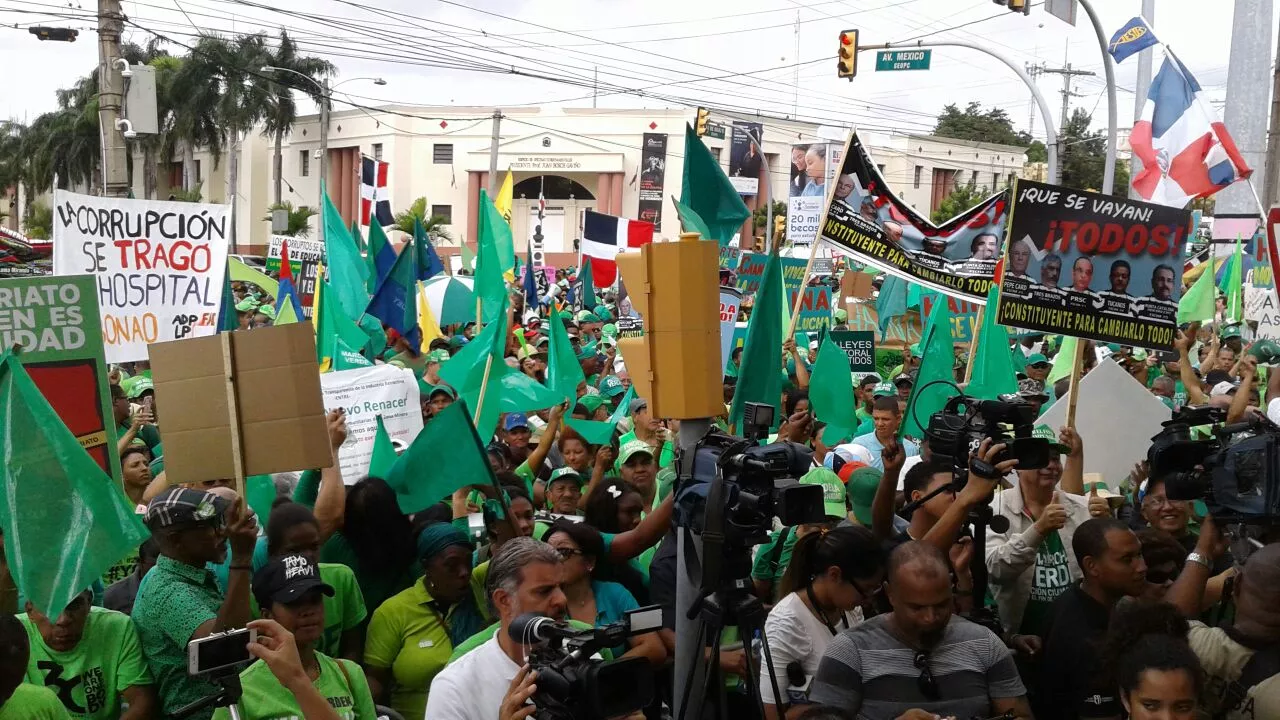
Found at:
(956, 431)
(573, 686)
(1238, 478)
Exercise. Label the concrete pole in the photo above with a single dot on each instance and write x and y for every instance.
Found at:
(324, 151)
(493, 153)
(1270, 186)
(1140, 92)
(115, 167)
(1248, 87)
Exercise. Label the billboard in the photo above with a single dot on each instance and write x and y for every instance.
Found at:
(813, 167)
(745, 160)
(653, 175)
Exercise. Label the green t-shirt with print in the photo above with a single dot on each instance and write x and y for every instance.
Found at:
(1050, 577)
(771, 561)
(264, 698)
(32, 702)
(90, 679)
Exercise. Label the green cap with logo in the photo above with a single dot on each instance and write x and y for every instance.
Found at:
(247, 305)
(438, 356)
(833, 497)
(611, 386)
(1044, 432)
(591, 402)
(884, 389)
(562, 473)
(634, 447)
(1266, 351)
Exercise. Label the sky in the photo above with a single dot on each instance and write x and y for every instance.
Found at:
(775, 57)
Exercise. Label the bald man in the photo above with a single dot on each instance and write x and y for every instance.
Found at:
(1240, 661)
(927, 661)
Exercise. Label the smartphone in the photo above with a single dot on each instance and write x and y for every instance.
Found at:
(220, 651)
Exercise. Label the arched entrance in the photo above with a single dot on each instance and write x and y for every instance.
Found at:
(565, 199)
(551, 187)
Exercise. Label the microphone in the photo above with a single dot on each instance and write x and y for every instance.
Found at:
(531, 628)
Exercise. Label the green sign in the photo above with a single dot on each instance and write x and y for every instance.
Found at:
(903, 59)
(56, 323)
(715, 130)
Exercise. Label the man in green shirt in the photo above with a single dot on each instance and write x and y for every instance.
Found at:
(21, 700)
(179, 600)
(91, 658)
(649, 429)
(130, 425)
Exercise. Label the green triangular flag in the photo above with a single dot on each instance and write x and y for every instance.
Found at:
(593, 431)
(993, 372)
(1233, 286)
(468, 258)
(937, 363)
(831, 389)
(65, 522)
(1197, 303)
(418, 477)
(286, 316)
(760, 373)
(564, 372)
(892, 301)
(355, 235)
(334, 330)
(347, 358)
(1063, 361)
(347, 271)
(690, 220)
(707, 191)
(587, 298)
(624, 406)
(495, 234)
(384, 452)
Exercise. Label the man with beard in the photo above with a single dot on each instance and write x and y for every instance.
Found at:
(921, 660)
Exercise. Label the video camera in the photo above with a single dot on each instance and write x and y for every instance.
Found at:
(1238, 478)
(956, 431)
(573, 686)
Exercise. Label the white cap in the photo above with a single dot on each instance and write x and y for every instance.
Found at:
(1223, 388)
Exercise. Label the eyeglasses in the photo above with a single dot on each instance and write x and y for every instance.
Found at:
(926, 683)
(568, 553)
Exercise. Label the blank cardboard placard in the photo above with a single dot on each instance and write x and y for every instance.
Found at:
(277, 389)
(1115, 417)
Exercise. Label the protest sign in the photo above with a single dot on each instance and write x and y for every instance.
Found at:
(1260, 307)
(744, 158)
(904, 329)
(859, 346)
(730, 257)
(55, 322)
(1100, 243)
(815, 308)
(739, 340)
(751, 268)
(268, 398)
(730, 304)
(159, 266)
(653, 174)
(366, 393)
(630, 326)
(307, 280)
(866, 221)
(300, 250)
(813, 166)
(964, 316)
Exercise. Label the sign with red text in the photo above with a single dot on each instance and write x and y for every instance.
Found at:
(1094, 266)
(159, 266)
(730, 305)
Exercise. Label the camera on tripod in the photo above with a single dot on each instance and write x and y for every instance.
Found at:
(956, 431)
(1238, 478)
(572, 685)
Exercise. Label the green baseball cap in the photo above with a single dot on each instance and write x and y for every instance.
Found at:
(841, 315)
(1044, 432)
(267, 310)
(246, 305)
(833, 495)
(1037, 359)
(587, 350)
(591, 402)
(1229, 331)
(884, 389)
(600, 311)
(442, 388)
(633, 447)
(438, 356)
(1266, 351)
(611, 386)
(609, 331)
(564, 472)
(861, 488)
(137, 386)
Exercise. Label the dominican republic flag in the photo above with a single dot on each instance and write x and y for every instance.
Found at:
(375, 201)
(604, 236)
(1185, 149)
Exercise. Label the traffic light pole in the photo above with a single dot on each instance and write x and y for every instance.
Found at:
(1109, 167)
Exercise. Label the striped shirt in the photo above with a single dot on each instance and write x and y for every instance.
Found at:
(870, 672)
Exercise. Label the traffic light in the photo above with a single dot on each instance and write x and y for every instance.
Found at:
(700, 124)
(1018, 6)
(54, 33)
(676, 365)
(779, 226)
(847, 63)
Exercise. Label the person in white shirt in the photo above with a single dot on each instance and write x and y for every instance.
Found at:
(524, 577)
(831, 575)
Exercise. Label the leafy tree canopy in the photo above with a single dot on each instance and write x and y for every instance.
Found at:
(974, 123)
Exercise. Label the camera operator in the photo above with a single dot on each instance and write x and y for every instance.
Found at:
(1243, 660)
(523, 577)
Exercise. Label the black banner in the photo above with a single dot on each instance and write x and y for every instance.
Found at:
(1094, 266)
(867, 221)
(744, 157)
(859, 346)
(307, 285)
(653, 175)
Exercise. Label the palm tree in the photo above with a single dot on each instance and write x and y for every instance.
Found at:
(282, 111)
(39, 221)
(194, 97)
(298, 218)
(434, 225)
(13, 165)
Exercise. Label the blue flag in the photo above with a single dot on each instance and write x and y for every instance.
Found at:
(396, 302)
(429, 264)
(1134, 37)
(530, 284)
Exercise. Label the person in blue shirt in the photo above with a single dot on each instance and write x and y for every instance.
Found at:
(886, 416)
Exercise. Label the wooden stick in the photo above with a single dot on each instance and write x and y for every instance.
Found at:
(233, 413)
(973, 349)
(1077, 365)
(804, 284)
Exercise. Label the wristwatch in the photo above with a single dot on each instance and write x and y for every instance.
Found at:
(1195, 557)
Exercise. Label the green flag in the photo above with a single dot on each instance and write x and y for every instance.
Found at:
(239, 272)
(690, 220)
(495, 234)
(355, 235)
(384, 452)
(937, 362)
(1063, 361)
(347, 271)
(593, 431)
(421, 480)
(65, 522)
(831, 389)
(287, 315)
(624, 406)
(228, 319)
(760, 374)
(379, 248)
(587, 298)
(564, 372)
(708, 192)
(1197, 303)
(993, 371)
(468, 258)
(1233, 286)
(335, 332)
(892, 301)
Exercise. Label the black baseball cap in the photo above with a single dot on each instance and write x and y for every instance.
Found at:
(285, 579)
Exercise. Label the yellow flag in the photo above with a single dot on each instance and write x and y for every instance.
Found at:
(427, 319)
(504, 198)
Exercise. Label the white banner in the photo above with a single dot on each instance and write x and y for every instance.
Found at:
(1260, 307)
(730, 304)
(804, 214)
(159, 265)
(300, 249)
(366, 393)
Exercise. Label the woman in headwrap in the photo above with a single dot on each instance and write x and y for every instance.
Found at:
(413, 633)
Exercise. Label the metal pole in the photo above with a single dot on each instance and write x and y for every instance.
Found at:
(493, 154)
(768, 194)
(115, 168)
(324, 152)
(690, 665)
(1050, 133)
(1109, 167)
(1270, 186)
(1140, 89)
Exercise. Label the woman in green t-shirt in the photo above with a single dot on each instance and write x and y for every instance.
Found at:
(376, 541)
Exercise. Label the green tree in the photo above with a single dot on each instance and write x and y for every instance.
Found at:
(1083, 157)
(434, 225)
(282, 111)
(38, 224)
(1037, 152)
(974, 123)
(759, 217)
(960, 199)
(298, 218)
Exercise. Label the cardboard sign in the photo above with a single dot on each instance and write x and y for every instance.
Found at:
(276, 387)
(902, 330)
(866, 221)
(300, 250)
(366, 393)
(55, 321)
(860, 346)
(730, 304)
(159, 266)
(1106, 268)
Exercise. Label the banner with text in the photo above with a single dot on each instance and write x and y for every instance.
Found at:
(866, 221)
(751, 269)
(964, 316)
(730, 304)
(813, 167)
(744, 158)
(653, 178)
(815, 309)
(159, 266)
(859, 346)
(366, 393)
(300, 250)
(1089, 249)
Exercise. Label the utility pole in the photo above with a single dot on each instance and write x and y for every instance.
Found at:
(324, 151)
(595, 85)
(493, 154)
(1270, 185)
(1034, 72)
(1140, 89)
(1067, 73)
(115, 168)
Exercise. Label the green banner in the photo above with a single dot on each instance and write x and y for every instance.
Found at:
(903, 59)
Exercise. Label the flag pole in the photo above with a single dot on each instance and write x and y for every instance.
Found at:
(973, 349)
(1077, 366)
(813, 251)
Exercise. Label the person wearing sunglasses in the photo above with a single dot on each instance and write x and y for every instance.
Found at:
(832, 574)
(919, 661)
